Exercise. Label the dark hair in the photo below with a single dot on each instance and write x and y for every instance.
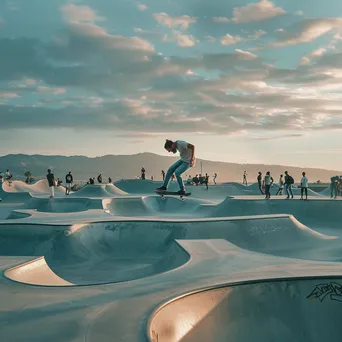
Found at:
(168, 143)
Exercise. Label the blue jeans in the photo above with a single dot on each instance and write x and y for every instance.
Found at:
(333, 190)
(288, 188)
(177, 168)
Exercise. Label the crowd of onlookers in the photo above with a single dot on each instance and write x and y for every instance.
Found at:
(287, 182)
(265, 183)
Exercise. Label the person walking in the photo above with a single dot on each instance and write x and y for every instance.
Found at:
(187, 160)
(288, 185)
(68, 180)
(51, 180)
(259, 179)
(304, 186)
(206, 180)
(281, 186)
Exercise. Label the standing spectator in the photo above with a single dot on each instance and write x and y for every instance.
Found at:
(143, 172)
(109, 180)
(163, 174)
(281, 186)
(288, 184)
(99, 178)
(259, 179)
(268, 181)
(333, 186)
(304, 186)
(339, 186)
(206, 180)
(214, 178)
(68, 180)
(51, 180)
(244, 181)
(1, 178)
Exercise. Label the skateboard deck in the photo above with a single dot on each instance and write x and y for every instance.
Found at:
(171, 193)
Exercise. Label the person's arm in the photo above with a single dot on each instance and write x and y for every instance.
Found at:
(192, 148)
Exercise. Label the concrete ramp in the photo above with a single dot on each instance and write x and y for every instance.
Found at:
(63, 205)
(316, 212)
(98, 190)
(282, 311)
(36, 272)
(40, 187)
(154, 206)
(88, 254)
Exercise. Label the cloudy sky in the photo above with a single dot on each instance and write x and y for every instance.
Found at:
(247, 82)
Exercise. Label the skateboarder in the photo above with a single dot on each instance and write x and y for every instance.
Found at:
(187, 154)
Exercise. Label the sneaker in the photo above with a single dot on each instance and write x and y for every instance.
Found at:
(162, 188)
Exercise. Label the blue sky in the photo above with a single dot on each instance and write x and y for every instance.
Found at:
(247, 82)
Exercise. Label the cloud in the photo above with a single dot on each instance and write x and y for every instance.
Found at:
(220, 19)
(142, 7)
(230, 40)
(56, 91)
(314, 54)
(73, 13)
(308, 30)
(8, 95)
(299, 13)
(183, 21)
(259, 11)
(286, 136)
(182, 40)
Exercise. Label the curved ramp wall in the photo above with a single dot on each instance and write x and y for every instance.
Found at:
(282, 310)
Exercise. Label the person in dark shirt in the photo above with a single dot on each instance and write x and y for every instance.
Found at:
(109, 180)
(51, 180)
(68, 180)
(99, 178)
(206, 180)
(288, 185)
(259, 178)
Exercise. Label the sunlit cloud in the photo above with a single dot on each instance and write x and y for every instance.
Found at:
(259, 11)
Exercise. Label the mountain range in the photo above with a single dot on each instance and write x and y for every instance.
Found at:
(128, 166)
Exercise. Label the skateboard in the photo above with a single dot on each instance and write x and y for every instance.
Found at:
(170, 193)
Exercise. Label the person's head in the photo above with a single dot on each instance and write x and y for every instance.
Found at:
(260, 173)
(303, 173)
(281, 176)
(170, 146)
(49, 171)
(268, 173)
(286, 173)
(69, 172)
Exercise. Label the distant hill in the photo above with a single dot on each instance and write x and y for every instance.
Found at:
(128, 166)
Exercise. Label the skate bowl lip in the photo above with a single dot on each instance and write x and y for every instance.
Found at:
(61, 282)
(162, 305)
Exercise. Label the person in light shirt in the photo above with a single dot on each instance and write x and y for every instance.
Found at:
(187, 159)
(304, 186)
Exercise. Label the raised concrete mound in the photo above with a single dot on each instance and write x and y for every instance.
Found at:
(312, 212)
(63, 205)
(40, 187)
(154, 206)
(280, 310)
(98, 190)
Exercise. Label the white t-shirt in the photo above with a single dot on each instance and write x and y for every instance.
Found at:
(184, 151)
(281, 182)
(304, 181)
